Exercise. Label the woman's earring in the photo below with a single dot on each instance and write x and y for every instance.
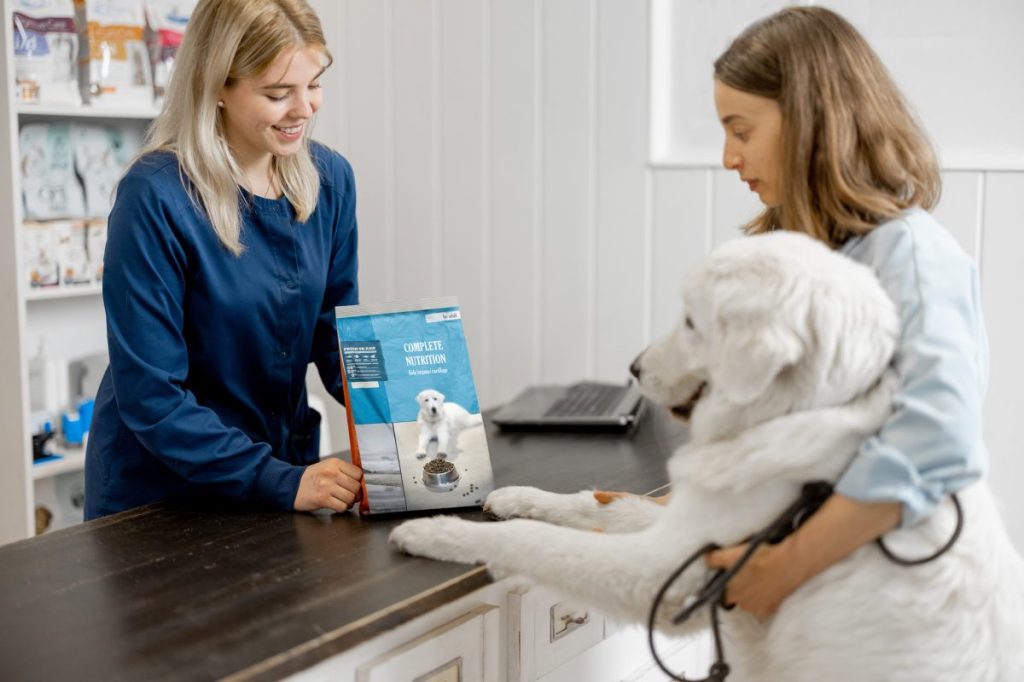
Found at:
(220, 103)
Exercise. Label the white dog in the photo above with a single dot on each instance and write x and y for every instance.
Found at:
(441, 421)
(778, 362)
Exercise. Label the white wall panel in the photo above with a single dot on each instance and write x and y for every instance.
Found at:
(416, 133)
(332, 124)
(368, 102)
(959, 209)
(332, 129)
(622, 57)
(681, 206)
(1002, 265)
(515, 190)
(566, 350)
(734, 205)
(465, 228)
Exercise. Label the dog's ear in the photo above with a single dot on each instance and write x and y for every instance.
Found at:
(750, 356)
(421, 395)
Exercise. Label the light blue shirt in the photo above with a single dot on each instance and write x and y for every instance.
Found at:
(932, 444)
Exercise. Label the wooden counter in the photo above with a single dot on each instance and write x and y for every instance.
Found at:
(208, 591)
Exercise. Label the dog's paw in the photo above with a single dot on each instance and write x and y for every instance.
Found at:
(519, 501)
(441, 537)
(421, 455)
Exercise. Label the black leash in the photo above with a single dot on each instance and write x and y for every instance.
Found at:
(712, 594)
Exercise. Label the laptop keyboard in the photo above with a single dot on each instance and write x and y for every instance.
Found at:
(587, 400)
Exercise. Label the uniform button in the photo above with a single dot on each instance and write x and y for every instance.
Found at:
(283, 354)
(290, 284)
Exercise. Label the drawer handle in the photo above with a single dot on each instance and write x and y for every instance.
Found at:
(565, 619)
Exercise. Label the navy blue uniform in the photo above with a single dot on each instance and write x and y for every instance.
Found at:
(208, 351)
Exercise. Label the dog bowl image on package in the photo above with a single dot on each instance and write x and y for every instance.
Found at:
(440, 475)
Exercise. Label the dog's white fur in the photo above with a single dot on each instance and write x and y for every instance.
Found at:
(788, 341)
(441, 421)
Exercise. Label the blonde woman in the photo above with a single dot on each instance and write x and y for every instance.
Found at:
(231, 240)
(816, 127)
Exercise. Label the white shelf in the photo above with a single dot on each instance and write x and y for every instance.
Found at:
(70, 291)
(71, 460)
(86, 111)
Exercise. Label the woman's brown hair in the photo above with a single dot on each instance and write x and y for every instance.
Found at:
(852, 153)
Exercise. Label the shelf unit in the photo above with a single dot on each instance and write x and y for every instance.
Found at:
(69, 320)
(59, 293)
(70, 460)
(65, 111)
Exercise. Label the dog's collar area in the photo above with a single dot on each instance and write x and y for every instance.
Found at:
(712, 594)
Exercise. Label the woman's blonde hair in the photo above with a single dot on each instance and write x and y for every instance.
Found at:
(852, 153)
(228, 40)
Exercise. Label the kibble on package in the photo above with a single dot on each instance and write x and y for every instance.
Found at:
(48, 183)
(45, 52)
(114, 68)
(166, 21)
(40, 251)
(101, 155)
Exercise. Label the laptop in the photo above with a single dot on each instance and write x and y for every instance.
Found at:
(586, 405)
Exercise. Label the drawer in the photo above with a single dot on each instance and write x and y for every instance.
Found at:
(462, 650)
(546, 630)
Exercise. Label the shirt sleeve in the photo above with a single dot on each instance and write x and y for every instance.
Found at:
(931, 445)
(342, 278)
(145, 274)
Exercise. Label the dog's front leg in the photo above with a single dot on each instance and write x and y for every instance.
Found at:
(620, 574)
(578, 510)
(443, 439)
(424, 441)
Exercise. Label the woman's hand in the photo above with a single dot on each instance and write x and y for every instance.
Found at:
(329, 484)
(764, 582)
(774, 572)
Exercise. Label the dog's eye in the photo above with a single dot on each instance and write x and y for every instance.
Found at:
(689, 322)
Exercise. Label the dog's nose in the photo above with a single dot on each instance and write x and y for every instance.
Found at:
(634, 367)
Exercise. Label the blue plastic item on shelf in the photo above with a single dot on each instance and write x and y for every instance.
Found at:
(71, 427)
(85, 413)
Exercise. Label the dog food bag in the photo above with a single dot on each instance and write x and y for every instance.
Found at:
(48, 183)
(101, 155)
(39, 247)
(165, 21)
(114, 69)
(415, 426)
(71, 258)
(45, 52)
(95, 244)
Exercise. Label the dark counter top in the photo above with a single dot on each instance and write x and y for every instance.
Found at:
(205, 591)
